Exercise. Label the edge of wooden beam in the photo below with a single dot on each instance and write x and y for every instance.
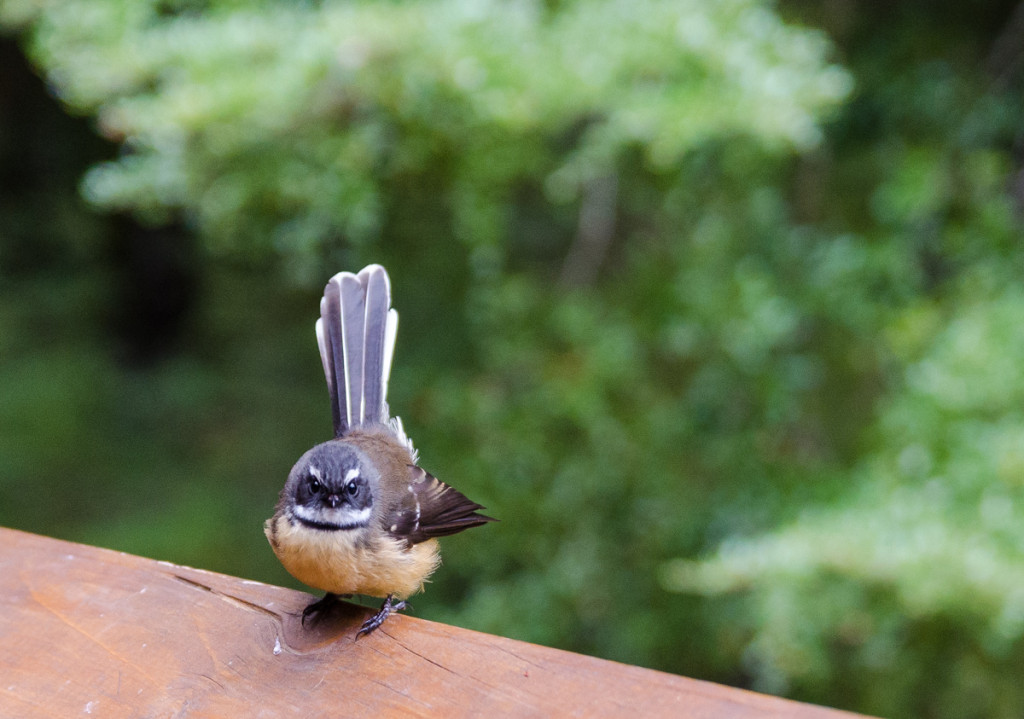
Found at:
(85, 630)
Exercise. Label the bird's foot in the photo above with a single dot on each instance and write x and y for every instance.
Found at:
(320, 607)
(385, 611)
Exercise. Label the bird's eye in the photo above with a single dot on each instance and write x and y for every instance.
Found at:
(314, 485)
(352, 488)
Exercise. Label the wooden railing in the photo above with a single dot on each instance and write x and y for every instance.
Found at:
(92, 632)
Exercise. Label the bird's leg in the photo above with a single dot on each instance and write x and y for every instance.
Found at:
(317, 608)
(385, 611)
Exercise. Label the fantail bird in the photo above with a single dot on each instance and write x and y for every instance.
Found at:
(357, 515)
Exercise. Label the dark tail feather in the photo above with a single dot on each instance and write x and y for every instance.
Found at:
(328, 330)
(353, 327)
(378, 304)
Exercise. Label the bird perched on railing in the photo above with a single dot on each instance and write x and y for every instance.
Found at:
(357, 515)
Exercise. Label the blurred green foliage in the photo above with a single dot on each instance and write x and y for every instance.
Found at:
(719, 313)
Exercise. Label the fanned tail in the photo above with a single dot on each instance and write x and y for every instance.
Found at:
(356, 335)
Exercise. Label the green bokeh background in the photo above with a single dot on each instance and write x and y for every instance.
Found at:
(717, 305)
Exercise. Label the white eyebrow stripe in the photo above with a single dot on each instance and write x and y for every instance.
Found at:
(351, 474)
(315, 471)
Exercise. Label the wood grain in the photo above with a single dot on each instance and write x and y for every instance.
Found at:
(92, 632)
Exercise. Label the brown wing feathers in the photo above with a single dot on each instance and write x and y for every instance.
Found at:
(433, 509)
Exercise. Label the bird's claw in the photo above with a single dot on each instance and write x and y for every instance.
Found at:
(383, 613)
